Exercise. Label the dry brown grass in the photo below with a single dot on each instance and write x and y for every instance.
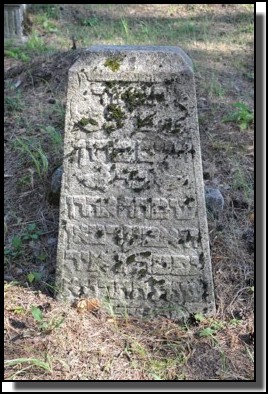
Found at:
(96, 346)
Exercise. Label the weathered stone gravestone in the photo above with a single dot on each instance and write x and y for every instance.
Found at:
(133, 226)
(13, 21)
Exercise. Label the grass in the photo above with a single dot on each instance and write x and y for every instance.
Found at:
(54, 135)
(45, 326)
(19, 243)
(243, 181)
(219, 39)
(46, 23)
(215, 88)
(13, 103)
(35, 45)
(34, 153)
(241, 115)
(48, 12)
(33, 361)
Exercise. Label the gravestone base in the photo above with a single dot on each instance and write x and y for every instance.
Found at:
(133, 228)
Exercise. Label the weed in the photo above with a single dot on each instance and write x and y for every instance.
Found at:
(37, 314)
(248, 7)
(13, 104)
(92, 21)
(16, 53)
(222, 146)
(51, 11)
(35, 153)
(199, 317)
(125, 26)
(249, 75)
(18, 241)
(46, 326)
(18, 310)
(243, 182)
(33, 361)
(155, 376)
(207, 332)
(242, 115)
(42, 256)
(250, 354)
(25, 181)
(31, 232)
(54, 135)
(46, 23)
(215, 88)
(164, 369)
(36, 44)
(235, 322)
(58, 114)
(109, 307)
(10, 284)
(137, 348)
(16, 247)
(34, 277)
(210, 326)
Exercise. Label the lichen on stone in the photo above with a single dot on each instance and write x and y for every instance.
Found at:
(147, 121)
(93, 122)
(133, 98)
(113, 63)
(109, 128)
(114, 112)
(85, 121)
(111, 84)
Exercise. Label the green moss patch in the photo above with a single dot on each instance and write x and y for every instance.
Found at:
(113, 63)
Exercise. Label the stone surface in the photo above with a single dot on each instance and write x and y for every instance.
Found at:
(55, 186)
(13, 21)
(249, 237)
(214, 200)
(133, 227)
(56, 180)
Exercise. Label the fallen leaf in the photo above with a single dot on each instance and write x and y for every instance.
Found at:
(251, 217)
(83, 305)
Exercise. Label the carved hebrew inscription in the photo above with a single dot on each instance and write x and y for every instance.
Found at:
(132, 224)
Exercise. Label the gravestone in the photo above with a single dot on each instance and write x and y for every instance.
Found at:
(133, 228)
(13, 21)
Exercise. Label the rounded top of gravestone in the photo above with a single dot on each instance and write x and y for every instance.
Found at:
(127, 62)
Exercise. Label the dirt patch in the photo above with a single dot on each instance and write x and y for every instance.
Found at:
(205, 362)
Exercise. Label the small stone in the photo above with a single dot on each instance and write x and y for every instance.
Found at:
(36, 247)
(214, 200)
(55, 186)
(51, 100)
(249, 237)
(52, 241)
(206, 175)
(56, 180)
